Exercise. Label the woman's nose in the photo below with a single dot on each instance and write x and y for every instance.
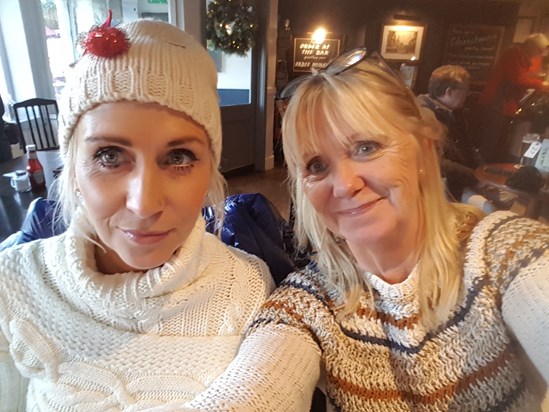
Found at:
(145, 192)
(346, 181)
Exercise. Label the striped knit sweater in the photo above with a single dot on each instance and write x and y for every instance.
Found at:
(384, 360)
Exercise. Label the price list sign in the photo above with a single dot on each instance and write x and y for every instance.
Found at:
(475, 48)
(310, 55)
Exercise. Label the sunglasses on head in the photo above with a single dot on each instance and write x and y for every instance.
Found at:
(337, 66)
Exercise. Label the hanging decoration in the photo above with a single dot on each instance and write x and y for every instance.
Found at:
(231, 26)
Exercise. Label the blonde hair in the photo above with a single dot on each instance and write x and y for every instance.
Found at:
(538, 40)
(367, 99)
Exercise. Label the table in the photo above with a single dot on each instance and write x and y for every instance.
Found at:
(526, 204)
(13, 204)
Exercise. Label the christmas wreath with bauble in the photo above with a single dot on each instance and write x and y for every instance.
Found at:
(231, 26)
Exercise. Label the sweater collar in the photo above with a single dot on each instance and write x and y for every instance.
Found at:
(403, 294)
(134, 299)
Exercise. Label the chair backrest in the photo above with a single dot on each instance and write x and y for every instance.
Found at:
(41, 115)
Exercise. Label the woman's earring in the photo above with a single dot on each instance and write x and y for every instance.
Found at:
(338, 240)
(79, 195)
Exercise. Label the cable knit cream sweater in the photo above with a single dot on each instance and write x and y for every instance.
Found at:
(383, 359)
(72, 339)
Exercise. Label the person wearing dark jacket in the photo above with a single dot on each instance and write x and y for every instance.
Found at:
(448, 88)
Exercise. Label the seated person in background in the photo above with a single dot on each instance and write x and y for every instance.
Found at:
(135, 305)
(411, 302)
(448, 89)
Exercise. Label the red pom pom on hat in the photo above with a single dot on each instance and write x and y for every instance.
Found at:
(106, 41)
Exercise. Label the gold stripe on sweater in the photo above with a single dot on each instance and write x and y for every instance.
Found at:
(445, 392)
(284, 306)
(365, 312)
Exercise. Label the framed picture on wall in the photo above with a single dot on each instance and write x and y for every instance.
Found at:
(400, 42)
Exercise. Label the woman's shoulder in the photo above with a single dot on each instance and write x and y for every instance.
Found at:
(301, 294)
(509, 227)
(309, 281)
(503, 243)
(24, 252)
(26, 263)
(300, 305)
(501, 227)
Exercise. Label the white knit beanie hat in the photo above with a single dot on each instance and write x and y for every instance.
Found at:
(163, 65)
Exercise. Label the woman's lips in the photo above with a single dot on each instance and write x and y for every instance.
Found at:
(145, 237)
(360, 209)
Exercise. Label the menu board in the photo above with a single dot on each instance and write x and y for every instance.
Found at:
(310, 55)
(474, 47)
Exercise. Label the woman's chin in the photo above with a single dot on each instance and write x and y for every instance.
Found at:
(144, 264)
(110, 263)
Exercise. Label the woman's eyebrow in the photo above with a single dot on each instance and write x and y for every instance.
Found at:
(126, 142)
(186, 140)
(108, 139)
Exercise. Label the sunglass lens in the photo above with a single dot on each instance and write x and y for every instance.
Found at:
(345, 61)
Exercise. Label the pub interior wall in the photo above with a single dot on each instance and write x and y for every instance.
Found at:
(361, 22)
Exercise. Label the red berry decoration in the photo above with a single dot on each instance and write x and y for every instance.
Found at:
(106, 41)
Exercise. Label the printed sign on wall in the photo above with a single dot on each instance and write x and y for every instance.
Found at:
(310, 55)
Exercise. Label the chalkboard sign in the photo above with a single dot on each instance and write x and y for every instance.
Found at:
(310, 55)
(474, 47)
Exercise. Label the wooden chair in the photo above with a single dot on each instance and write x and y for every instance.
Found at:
(41, 119)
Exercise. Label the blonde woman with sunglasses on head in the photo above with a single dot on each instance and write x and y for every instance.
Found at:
(410, 302)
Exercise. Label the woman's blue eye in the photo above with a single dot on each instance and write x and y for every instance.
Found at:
(108, 156)
(181, 157)
(367, 148)
(315, 166)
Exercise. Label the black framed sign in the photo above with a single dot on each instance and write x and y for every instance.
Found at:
(474, 47)
(308, 54)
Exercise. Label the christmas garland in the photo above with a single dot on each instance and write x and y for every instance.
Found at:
(231, 26)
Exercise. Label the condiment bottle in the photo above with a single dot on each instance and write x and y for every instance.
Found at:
(35, 169)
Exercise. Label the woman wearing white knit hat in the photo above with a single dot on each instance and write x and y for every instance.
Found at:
(135, 306)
